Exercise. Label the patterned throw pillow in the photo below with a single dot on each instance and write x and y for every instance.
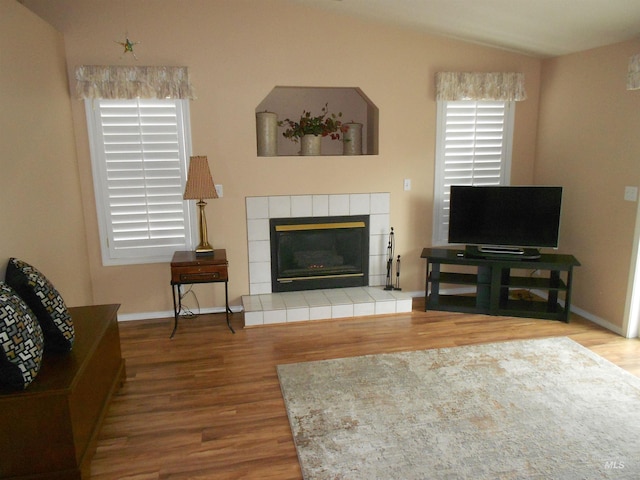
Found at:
(21, 341)
(45, 302)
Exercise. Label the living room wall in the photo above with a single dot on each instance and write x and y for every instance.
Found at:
(237, 52)
(588, 142)
(42, 212)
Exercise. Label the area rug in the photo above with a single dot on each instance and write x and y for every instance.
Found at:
(542, 409)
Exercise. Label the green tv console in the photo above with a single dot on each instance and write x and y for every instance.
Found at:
(492, 278)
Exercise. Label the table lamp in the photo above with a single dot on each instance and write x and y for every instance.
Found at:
(200, 186)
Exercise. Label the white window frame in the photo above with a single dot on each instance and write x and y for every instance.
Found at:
(142, 217)
(474, 150)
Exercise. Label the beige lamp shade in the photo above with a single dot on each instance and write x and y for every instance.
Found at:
(199, 181)
(200, 186)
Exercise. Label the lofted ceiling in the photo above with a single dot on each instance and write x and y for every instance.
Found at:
(540, 28)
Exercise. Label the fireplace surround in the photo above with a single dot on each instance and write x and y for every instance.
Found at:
(261, 209)
(262, 307)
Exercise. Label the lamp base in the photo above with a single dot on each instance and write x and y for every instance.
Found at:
(204, 250)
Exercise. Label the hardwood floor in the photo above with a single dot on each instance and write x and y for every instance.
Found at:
(207, 404)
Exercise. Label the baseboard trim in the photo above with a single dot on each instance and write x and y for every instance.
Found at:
(587, 315)
(128, 317)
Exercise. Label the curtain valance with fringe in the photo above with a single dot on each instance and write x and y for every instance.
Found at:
(633, 77)
(502, 86)
(127, 82)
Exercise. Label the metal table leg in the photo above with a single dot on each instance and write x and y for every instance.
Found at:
(177, 306)
(226, 303)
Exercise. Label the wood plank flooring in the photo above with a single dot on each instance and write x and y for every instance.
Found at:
(207, 404)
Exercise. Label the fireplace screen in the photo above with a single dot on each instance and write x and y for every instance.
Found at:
(319, 252)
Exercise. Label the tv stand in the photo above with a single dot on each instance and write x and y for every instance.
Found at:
(491, 276)
(491, 251)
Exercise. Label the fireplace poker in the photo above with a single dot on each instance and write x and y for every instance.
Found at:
(390, 252)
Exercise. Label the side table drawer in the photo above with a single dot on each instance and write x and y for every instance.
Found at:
(205, 273)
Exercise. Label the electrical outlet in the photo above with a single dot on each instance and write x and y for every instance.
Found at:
(219, 191)
(407, 184)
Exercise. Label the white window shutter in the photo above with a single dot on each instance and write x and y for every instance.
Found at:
(139, 151)
(473, 147)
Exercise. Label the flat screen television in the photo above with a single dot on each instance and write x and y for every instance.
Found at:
(505, 220)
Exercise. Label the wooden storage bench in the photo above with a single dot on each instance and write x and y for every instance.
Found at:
(49, 430)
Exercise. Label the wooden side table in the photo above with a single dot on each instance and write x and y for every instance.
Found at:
(189, 268)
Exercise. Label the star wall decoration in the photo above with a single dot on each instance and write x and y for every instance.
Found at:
(128, 47)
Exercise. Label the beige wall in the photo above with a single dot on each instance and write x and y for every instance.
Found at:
(41, 214)
(237, 51)
(585, 138)
(589, 142)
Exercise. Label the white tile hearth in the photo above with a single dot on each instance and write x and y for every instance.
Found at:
(264, 309)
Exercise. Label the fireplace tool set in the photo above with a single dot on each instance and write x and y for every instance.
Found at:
(391, 247)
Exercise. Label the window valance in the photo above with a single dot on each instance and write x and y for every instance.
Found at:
(127, 82)
(502, 86)
(633, 77)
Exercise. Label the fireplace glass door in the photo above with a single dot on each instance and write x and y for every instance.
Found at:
(319, 252)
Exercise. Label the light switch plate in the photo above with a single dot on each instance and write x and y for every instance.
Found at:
(407, 184)
(631, 194)
(219, 191)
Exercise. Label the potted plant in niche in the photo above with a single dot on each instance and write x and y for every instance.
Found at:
(310, 130)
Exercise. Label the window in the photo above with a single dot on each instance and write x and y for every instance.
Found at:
(473, 147)
(139, 151)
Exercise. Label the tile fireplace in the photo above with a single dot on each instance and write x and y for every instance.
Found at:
(263, 306)
(260, 210)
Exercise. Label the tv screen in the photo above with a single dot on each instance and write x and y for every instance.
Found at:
(510, 216)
